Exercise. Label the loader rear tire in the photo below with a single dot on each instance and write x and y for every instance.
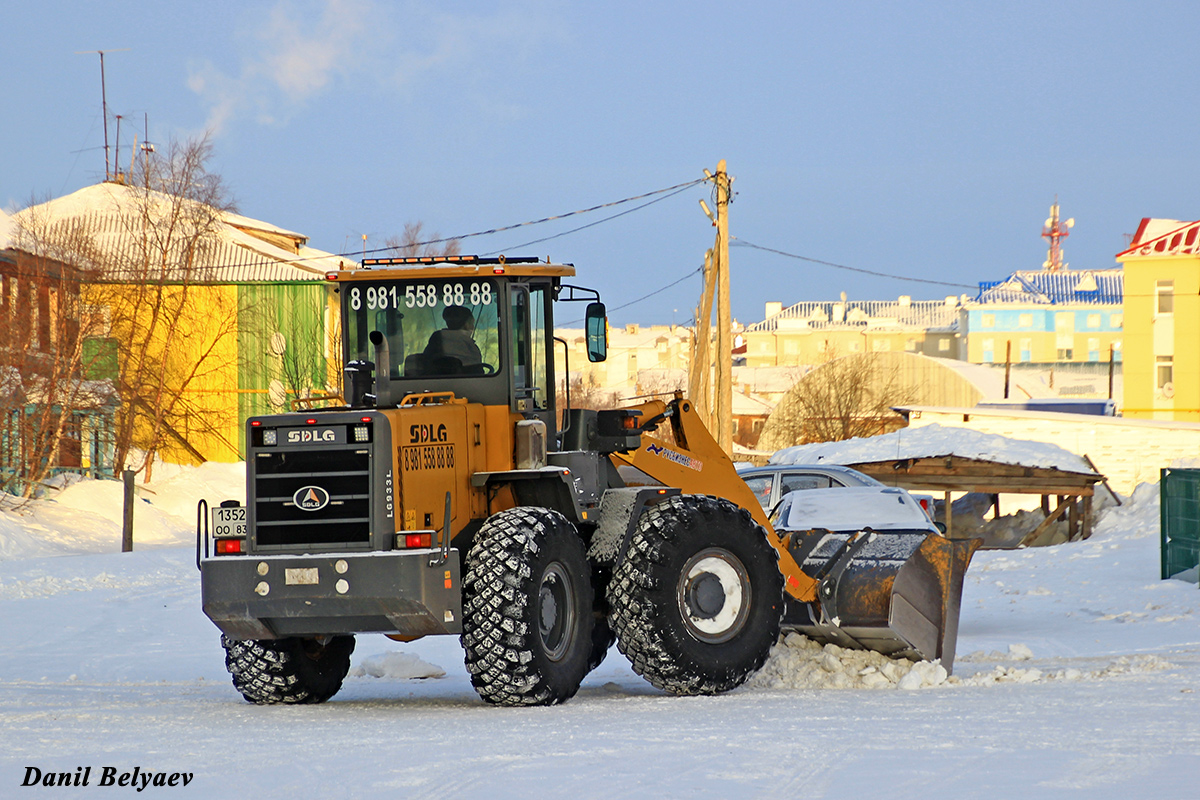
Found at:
(527, 609)
(697, 599)
(291, 670)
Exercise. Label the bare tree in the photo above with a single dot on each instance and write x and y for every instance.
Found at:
(585, 393)
(413, 242)
(844, 398)
(151, 251)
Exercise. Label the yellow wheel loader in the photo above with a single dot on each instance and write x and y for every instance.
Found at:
(450, 494)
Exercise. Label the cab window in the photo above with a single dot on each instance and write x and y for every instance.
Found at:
(434, 328)
(530, 380)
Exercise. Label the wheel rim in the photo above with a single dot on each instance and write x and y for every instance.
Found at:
(714, 595)
(556, 611)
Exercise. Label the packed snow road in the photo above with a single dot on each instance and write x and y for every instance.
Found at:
(1078, 676)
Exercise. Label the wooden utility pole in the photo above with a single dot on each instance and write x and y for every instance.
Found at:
(717, 412)
(700, 372)
(723, 404)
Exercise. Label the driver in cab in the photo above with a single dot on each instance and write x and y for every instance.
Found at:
(457, 339)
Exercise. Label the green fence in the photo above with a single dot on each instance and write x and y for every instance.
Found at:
(1180, 520)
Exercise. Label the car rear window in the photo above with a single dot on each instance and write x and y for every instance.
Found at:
(761, 486)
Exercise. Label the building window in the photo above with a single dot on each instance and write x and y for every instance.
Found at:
(1116, 351)
(1025, 320)
(910, 345)
(1093, 320)
(1164, 291)
(1093, 349)
(1065, 354)
(1164, 374)
(988, 320)
(1117, 320)
(881, 345)
(856, 346)
(1026, 350)
(823, 346)
(989, 350)
(943, 345)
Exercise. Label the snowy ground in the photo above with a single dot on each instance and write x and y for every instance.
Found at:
(1078, 676)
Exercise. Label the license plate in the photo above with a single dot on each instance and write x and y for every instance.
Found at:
(229, 522)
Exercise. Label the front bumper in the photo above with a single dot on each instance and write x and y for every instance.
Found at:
(267, 597)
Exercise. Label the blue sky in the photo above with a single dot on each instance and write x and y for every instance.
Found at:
(924, 139)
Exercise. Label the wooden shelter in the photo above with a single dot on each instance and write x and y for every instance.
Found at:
(1072, 491)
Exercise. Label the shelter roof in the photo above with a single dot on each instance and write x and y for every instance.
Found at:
(937, 457)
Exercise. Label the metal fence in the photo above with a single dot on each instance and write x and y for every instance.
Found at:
(1180, 521)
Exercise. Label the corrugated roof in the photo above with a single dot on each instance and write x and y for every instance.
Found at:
(241, 250)
(874, 314)
(1065, 287)
(1164, 237)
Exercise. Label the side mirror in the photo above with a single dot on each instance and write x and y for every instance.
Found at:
(596, 330)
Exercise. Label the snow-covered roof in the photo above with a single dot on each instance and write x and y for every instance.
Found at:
(1164, 237)
(935, 441)
(1042, 287)
(245, 250)
(746, 405)
(875, 314)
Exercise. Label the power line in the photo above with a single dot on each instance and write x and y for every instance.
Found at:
(679, 186)
(597, 222)
(647, 296)
(744, 243)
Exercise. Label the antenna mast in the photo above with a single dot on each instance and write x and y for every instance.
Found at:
(104, 102)
(1056, 231)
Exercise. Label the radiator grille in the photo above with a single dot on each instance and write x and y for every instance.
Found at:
(345, 474)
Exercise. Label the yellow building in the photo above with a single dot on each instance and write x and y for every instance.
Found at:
(1162, 321)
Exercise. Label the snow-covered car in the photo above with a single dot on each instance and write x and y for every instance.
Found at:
(850, 509)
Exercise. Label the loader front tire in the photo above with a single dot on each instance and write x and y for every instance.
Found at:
(527, 609)
(697, 599)
(290, 670)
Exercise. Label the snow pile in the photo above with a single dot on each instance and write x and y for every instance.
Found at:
(797, 662)
(934, 441)
(51, 585)
(87, 516)
(397, 666)
(1124, 665)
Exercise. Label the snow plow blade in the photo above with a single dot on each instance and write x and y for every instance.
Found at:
(894, 592)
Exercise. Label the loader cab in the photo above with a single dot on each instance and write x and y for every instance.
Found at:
(481, 328)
